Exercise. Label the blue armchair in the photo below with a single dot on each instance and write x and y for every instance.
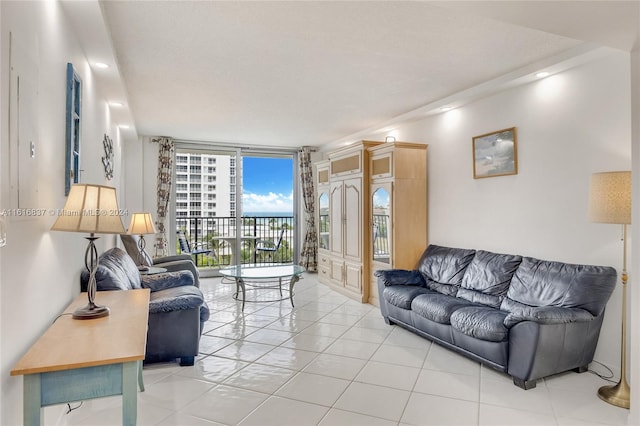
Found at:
(177, 311)
(177, 262)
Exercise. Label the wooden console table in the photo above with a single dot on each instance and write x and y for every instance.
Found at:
(76, 360)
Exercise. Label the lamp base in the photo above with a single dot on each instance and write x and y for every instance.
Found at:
(90, 311)
(617, 395)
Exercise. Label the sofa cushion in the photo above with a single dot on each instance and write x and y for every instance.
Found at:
(402, 295)
(486, 279)
(116, 271)
(437, 307)
(165, 280)
(546, 283)
(444, 267)
(446, 289)
(481, 322)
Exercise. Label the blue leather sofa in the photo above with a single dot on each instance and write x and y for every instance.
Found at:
(526, 317)
(177, 310)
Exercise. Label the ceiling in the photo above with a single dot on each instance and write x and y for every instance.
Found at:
(319, 72)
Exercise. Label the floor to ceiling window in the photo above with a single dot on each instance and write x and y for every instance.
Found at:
(235, 206)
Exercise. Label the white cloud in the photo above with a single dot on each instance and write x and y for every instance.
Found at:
(271, 202)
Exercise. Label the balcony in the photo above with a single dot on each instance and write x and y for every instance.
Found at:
(219, 235)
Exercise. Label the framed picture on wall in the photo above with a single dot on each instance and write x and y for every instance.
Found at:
(495, 154)
(73, 126)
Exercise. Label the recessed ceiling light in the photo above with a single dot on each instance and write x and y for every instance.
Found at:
(446, 108)
(116, 104)
(543, 74)
(124, 126)
(101, 65)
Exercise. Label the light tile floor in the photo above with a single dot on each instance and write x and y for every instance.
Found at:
(333, 361)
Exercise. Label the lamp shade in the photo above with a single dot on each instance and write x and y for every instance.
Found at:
(91, 209)
(141, 223)
(610, 197)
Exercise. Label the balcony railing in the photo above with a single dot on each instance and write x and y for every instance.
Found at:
(219, 235)
(380, 237)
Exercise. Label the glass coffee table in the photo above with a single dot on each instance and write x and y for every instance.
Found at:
(262, 277)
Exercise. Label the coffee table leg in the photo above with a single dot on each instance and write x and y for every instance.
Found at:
(240, 282)
(294, 279)
(140, 379)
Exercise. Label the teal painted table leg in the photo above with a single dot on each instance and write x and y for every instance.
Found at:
(130, 393)
(32, 400)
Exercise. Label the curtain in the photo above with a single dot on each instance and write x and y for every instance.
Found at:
(165, 172)
(309, 254)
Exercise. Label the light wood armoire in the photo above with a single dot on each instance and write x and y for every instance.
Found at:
(372, 214)
(344, 220)
(398, 208)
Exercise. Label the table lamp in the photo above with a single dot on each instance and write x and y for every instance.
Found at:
(610, 202)
(141, 223)
(90, 209)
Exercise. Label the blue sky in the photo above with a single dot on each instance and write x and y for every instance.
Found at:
(267, 184)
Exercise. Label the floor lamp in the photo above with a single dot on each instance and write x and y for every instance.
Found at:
(610, 202)
(91, 209)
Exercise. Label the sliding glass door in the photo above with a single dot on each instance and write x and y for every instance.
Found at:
(267, 205)
(234, 206)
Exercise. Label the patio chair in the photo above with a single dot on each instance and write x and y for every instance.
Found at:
(268, 247)
(199, 248)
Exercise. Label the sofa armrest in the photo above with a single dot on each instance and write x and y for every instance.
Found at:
(400, 277)
(158, 282)
(175, 299)
(181, 265)
(172, 258)
(548, 315)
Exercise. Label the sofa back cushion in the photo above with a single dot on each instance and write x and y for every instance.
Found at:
(545, 283)
(116, 271)
(487, 277)
(443, 267)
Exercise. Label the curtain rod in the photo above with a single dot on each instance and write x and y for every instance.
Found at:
(230, 145)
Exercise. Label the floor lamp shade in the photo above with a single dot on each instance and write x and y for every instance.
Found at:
(91, 209)
(610, 197)
(610, 202)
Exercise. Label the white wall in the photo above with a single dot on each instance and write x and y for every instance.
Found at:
(140, 187)
(2, 97)
(634, 292)
(569, 126)
(39, 269)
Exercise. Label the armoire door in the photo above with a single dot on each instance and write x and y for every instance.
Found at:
(353, 218)
(337, 218)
